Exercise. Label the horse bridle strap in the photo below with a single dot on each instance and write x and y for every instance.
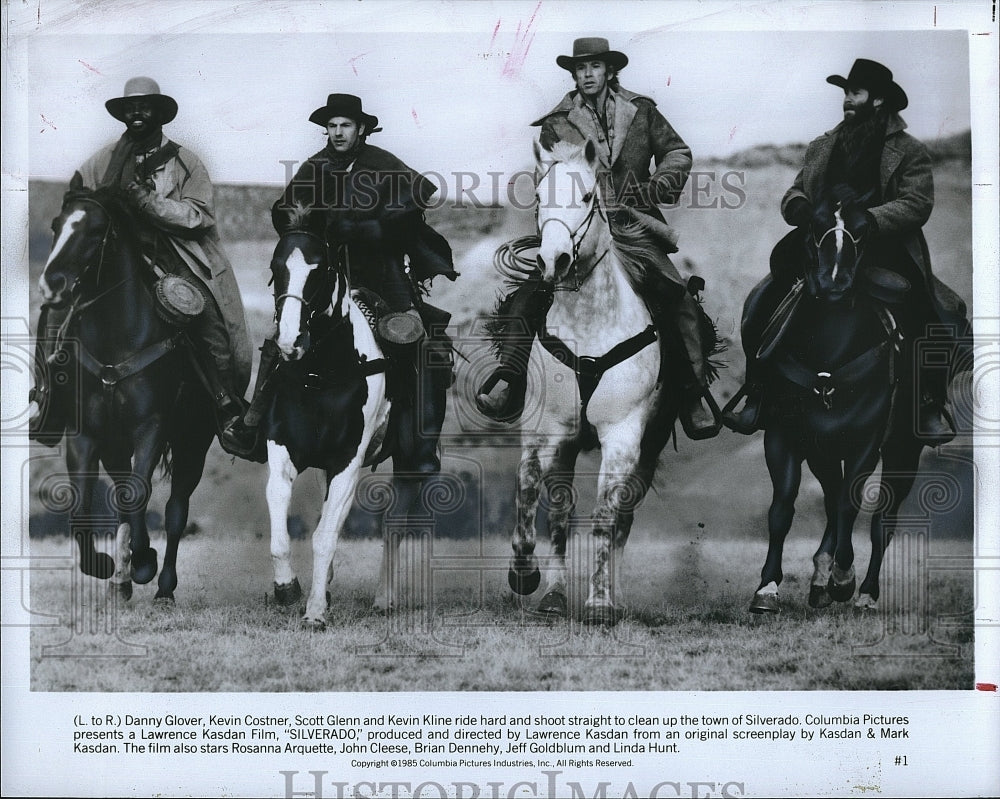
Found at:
(112, 374)
(589, 370)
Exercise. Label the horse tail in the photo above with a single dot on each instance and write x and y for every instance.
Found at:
(166, 464)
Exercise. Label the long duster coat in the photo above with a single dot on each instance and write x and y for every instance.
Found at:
(182, 207)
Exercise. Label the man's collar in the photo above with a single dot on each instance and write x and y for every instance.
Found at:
(574, 99)
(894, 124)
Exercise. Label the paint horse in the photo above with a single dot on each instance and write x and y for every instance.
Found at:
(834, 400)
(600, 359)
(329, 410)
(138, 399)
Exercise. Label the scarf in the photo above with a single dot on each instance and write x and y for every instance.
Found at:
(122, 169)
(340, 161)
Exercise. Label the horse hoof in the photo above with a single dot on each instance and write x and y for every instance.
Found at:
(99, 565)
(842, 591)
(313, 625)
(144, 565)
(865, 603)
(553, 605)
(600, 616)
(524, 576)
(122, 591)
(819, 597)
(164, 599)
(765, 603)
(288, 594)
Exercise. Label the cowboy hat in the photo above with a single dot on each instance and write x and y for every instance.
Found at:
(344, 105)
(592, 48)
(877, 79)
(148, 89)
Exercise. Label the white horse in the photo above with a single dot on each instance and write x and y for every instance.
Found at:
(329, 410)
(599, 355)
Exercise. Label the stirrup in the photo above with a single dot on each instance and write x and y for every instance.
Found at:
(513, 405)
(700, 433)
(234, 439)
(736, 421)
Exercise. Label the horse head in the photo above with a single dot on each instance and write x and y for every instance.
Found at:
(81, 233)
(568, 197)
(834, 248)
(308, 293)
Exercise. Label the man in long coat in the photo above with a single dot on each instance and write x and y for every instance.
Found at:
(368, 205)
(630, 134)
(171, 191)
(869, 162)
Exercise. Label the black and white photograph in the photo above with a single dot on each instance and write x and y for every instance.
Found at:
(500, 399)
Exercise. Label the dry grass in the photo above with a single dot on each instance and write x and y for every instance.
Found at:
(687, 628)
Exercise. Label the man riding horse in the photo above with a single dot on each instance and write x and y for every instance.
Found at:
(369, 207)
(881, 178)
(629, 132)
(170, 191)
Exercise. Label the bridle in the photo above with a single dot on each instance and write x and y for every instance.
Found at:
(307, 302)
(578, 234)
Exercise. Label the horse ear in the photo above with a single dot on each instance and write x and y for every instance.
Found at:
(590, 152)
(542, 154)
(76, 182)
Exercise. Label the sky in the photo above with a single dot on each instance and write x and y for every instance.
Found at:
(456, 86)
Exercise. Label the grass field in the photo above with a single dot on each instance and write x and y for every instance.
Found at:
(687, 626)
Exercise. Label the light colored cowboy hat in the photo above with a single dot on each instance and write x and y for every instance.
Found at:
(148, 89)
(877, 79)
(344, 105)
(592, 48)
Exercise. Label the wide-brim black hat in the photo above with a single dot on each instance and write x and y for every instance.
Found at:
(344, 105)
(877, 79)
(592, 48)
(147, 89)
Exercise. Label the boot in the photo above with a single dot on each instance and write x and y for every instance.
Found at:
(934, 425)
(501, 396)
(240, 437)
(699, 413)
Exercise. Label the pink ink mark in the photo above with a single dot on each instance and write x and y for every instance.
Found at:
(47, 122)
(88, 66)
(493, 38)
(416, 119)
(986, 686)
(732, 132)
(356, 58)
(522, 44)
(668, 80)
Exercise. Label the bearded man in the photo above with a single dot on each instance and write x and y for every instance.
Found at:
(881, 177)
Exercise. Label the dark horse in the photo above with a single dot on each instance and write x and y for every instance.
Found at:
(137, 398)
(329, 410)
(831, 400)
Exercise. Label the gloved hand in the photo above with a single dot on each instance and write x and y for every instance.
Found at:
(859, 222)
(799, 212)
(138, 194)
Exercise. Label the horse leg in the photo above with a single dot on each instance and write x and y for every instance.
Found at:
(523, 574)
(856, 473)
(149, 446)
(831, 477)
(339, 496)
(784, 464)
(189, 451)
(281, 474)
(618, 487)
(900, 460)
(121, 580)
(81, 463)
(561, 504)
